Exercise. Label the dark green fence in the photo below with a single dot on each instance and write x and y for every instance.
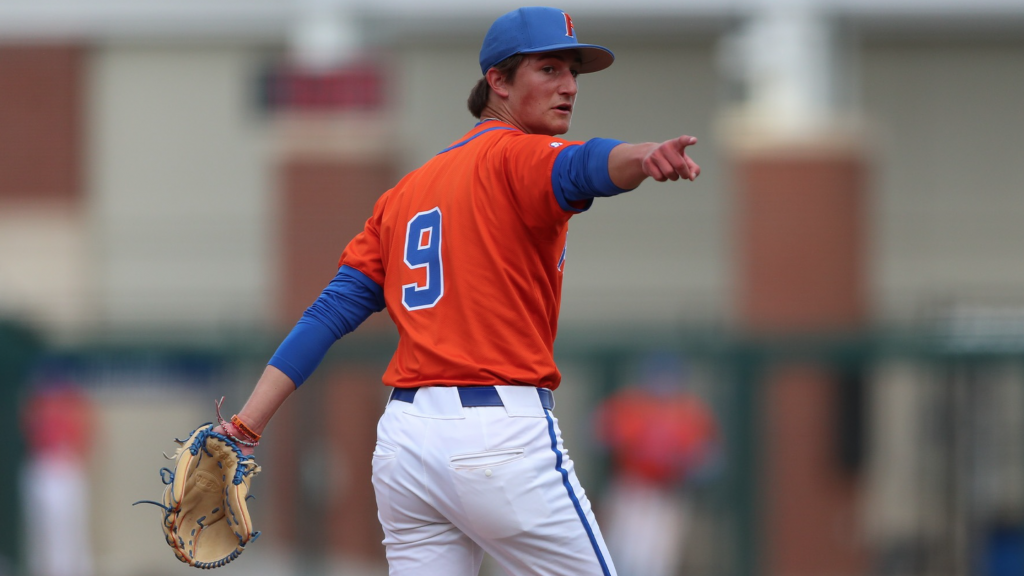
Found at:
(19, 348)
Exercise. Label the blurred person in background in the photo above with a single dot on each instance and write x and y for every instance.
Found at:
(57, 420)
(662, 439)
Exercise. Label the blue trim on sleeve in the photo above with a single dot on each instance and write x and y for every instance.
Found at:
(344, 304)
(580, 173)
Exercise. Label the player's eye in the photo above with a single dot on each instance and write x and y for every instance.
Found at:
(575, 73)
(548, 69)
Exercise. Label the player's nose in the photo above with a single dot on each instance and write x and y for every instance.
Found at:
(569, 86)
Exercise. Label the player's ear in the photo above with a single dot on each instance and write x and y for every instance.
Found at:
(498, 82)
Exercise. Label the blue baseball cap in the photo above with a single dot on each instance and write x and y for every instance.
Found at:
(538, 29)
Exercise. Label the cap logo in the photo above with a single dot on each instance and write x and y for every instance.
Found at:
(569, 30)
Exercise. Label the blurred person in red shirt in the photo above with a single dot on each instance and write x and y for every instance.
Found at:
(661, 438)
(57, 420)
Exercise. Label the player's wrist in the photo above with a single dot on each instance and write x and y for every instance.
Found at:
(236, 430)
(255, 425)
(244, 429)
(238, 436)
(626, 164)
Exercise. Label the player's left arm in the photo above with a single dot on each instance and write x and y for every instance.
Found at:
(631, 164)
(344, 304)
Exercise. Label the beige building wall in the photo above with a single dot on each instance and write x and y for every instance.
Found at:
(946, 137)
(45, 275)
(180, 186)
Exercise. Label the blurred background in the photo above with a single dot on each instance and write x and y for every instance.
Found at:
(836, 306)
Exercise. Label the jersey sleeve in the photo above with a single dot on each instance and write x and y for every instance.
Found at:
(364, 252)
(528, 160)
(581, 173)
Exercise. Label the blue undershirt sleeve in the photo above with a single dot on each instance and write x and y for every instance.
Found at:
(344, 304)
(580, 174)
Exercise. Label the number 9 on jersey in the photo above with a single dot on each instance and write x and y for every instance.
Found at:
(423, 250)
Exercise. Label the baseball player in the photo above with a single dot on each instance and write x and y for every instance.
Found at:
(467, 253)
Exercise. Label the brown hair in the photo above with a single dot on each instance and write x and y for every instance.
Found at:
(481, 93)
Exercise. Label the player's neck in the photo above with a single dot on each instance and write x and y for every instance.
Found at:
(490, 113)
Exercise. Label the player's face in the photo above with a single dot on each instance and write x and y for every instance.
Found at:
(544, 92)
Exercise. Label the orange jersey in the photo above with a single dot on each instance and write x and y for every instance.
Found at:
(469, 250)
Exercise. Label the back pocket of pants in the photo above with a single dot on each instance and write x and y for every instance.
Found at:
(501, 491)
(490, 458)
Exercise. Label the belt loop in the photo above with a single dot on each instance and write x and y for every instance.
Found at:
(547, 398)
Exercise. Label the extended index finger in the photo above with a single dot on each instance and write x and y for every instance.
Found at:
(685, 141)
(693, 170)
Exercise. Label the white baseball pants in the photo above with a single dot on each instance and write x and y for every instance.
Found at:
(454, 482)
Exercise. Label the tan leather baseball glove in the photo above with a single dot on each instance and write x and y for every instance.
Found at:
(206, 519)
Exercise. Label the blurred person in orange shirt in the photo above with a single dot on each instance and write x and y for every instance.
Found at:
(57, 420)
(662, 438)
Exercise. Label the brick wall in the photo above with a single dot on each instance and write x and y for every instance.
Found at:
(41, 122)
